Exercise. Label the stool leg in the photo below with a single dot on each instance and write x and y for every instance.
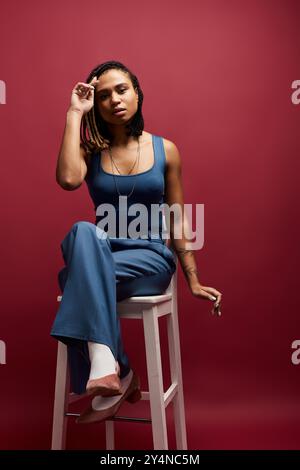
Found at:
(176, 377)
(110, 435)
(155, 379)
(59, 427)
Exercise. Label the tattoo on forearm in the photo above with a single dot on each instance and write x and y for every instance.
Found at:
(190, 270)
(183, 251)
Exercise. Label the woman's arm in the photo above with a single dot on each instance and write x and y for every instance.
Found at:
(72, 161)
(71, 167)
(174, 195)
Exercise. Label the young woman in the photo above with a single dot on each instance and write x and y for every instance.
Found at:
(105, 144)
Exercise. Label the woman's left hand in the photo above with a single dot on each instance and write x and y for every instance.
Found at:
(208, 293)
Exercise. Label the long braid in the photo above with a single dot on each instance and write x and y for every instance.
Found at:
(94, 133)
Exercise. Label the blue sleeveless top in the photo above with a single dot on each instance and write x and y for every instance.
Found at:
(149, 189)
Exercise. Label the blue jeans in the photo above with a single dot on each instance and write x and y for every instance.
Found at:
(98, 272)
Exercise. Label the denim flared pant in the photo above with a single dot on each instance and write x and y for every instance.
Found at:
(98, 272)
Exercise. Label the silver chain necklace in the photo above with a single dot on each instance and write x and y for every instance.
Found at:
(136, 160)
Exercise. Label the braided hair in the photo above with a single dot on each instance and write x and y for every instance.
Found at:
(94, 132)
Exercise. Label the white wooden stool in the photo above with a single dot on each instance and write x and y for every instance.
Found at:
(148, 309)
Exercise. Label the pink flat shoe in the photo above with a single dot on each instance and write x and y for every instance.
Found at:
(132, 394)
(106, 386)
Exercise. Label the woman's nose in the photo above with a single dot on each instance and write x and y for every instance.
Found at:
(115, 98)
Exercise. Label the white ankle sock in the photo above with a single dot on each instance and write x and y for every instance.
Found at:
(102, 360)
(101, 403)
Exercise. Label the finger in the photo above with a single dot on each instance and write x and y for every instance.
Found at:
(80, 90)
(218, 300)
(215, 294)
(84, 87)
(216, 311)
(94, 81)
(80, 85)
(212, 291)
(207, 295)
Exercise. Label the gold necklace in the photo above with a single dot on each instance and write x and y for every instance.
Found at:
(111, 157)
(112, 162)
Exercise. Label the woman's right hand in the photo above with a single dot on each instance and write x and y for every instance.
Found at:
(82, 98)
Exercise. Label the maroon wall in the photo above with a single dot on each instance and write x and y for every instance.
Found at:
(217, 79)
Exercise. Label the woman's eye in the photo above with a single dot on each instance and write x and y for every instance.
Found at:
(104, 96)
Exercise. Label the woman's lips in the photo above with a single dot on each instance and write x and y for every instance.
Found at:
(119, 113)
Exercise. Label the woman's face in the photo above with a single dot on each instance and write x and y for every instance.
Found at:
(115, 90)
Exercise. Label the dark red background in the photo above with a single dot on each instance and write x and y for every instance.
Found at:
(217, 81)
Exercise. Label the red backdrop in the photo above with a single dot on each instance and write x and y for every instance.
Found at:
(217, 81)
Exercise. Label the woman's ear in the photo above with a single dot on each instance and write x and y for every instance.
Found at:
(137, 94)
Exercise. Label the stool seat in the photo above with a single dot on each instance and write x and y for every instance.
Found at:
(149, 299)
(148, 309)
